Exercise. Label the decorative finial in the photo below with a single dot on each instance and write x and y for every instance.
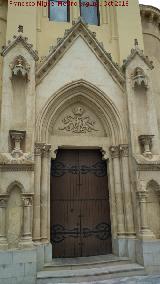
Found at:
(20, 29)
(136, 42)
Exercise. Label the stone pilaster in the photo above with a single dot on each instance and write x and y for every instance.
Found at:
(128, 207)
(3, 205)
(114, 150)
(45, 192)
(27, 221)
(37, 189)
(145, 232)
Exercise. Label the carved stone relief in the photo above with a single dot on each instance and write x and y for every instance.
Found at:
(20, 68)
(78, 120)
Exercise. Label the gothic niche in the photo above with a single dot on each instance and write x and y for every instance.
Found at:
(20, 68)
(78, 122)
(19, 77)
(139, 78)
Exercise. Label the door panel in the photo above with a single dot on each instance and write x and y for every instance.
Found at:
(80, 215)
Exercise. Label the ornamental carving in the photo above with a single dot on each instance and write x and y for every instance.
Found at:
(123, 149)
(139, 78)
(38, 148)
(114, 150)
(17, 137)
(146, 145)
(79, 122)
(20, 68)
(46, 150)
(27, 201)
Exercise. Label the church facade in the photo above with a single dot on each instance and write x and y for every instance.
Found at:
(79, 135)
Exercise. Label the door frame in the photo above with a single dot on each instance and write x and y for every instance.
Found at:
(105, 156)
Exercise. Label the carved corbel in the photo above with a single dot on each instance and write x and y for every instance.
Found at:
(20, 68)
(139, 79)
(16, 138)
(146, 144)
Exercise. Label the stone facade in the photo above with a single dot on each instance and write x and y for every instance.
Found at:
(118, 109)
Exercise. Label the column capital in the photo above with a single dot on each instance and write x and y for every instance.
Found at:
(38, 148)
(124, 150)
(17, 135)
(27, 201)
(46, 150)
(3, 202)
(114, 150)
(142, 195)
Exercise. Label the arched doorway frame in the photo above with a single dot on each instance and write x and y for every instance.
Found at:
(111, 149)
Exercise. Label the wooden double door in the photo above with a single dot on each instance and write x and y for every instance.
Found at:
(80, 214)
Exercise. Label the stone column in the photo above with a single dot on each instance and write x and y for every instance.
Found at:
(145, 232)
(37, 188)
(26, 240)
(3, 205)
(114, 150)
(45, 193)
(128, 207)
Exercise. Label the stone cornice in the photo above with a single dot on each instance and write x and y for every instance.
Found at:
(79, 28)
(144, 164)
(137, 51)
(16, 167)
(23, 41)
(150, 14)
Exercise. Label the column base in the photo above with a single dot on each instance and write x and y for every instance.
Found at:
(146, 234)
(26, 243)
(3, 243)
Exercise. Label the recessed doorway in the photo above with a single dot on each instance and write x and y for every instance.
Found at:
(80, 211)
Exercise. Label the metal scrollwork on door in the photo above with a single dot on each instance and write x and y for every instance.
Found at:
(101, 231)
(58, 169)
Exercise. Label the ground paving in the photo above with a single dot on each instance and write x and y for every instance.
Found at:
(153, 279)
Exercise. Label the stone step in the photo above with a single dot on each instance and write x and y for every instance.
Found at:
(89, 274)
(85, 262)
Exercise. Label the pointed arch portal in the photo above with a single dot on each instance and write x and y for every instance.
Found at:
(81, 125)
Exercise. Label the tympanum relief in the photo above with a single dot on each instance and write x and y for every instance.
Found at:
(78, 120)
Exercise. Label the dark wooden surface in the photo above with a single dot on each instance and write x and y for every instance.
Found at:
(79, 204)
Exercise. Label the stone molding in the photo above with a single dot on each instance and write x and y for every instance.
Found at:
(16, 167)
(136, 51)
(23, 41)
(79, 28)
